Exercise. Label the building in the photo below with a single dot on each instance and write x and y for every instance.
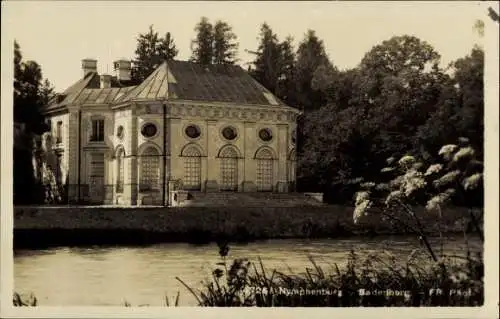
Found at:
(187, 128)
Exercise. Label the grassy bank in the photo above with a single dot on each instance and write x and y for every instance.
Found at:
(56, 226)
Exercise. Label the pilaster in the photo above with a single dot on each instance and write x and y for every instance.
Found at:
(282, 180)
(211, 171)
(249, 165)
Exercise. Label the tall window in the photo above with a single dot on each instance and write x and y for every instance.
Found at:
(192, 169)
(264, 171)
(229, 169)
(150, 169)
(97, 130)
(59, 132)
(120, 176)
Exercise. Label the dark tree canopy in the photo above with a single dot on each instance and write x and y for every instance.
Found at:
(151, 51)
(214, 44)
(31, 96)
(225, 46)
(202, 45)
(274, 64)
(397, 101)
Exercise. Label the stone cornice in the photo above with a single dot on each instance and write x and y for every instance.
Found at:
(235, 112)
(203, 110)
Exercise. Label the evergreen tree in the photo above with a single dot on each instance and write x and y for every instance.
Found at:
(268, 59)
(225, 47)
(202, 46)
(167, 48)
(151, 52)
(310, 55)
(285, 89)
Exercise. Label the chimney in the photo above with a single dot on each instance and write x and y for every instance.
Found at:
(88, 66)
(105, 81)
(123, 68)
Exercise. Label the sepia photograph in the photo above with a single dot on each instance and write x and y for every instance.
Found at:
(166, 156)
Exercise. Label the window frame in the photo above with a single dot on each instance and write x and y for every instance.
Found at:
(97, 133)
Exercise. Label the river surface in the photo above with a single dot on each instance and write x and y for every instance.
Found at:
(100, 276)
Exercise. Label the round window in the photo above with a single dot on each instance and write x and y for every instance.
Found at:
(229, 133)
(149, 130)
(265, 134)
(119, 132)
(193, 131)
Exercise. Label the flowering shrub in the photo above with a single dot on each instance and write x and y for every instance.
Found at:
(410, 181)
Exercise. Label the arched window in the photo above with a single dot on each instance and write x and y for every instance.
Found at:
(229, 169)
(192, 169)
(120, 176)
(150, 169)
(264, 171)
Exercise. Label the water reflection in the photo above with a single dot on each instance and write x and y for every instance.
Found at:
(110, 275)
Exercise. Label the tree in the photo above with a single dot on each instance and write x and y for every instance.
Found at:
(371, 112)
(202, 46)
(31, 96)
(167, 49)
(310, 55)
(398, 85)
(460, 109)
(267, 59)
(151, 51)
(225, 47)
(286, 79)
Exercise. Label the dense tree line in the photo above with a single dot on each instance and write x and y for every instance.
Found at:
(397, 101)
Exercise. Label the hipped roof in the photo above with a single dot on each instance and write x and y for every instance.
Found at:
(174, 80)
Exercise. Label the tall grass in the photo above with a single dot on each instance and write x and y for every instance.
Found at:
(374, 280)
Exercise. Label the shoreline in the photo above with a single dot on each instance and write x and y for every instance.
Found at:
(42, 227)
(39, 239)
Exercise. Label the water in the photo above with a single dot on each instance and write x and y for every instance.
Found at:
(145, 275)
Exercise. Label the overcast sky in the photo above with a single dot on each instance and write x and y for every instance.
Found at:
(59, 34)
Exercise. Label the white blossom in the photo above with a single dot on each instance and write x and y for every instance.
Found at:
(434, 168)
(447, 150)
(413, 180)
(368, 185)
(362, 196)
(417, 165)
(472, 181)
(394, 195)
(437, 201)
(406, 161)
(463, 152)
(447, 178)
(361, 209)
(387, 169)
(463, 140)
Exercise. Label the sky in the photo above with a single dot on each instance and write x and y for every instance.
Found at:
(58, 34)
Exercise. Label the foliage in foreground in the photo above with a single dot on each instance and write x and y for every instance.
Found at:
(389, 282)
